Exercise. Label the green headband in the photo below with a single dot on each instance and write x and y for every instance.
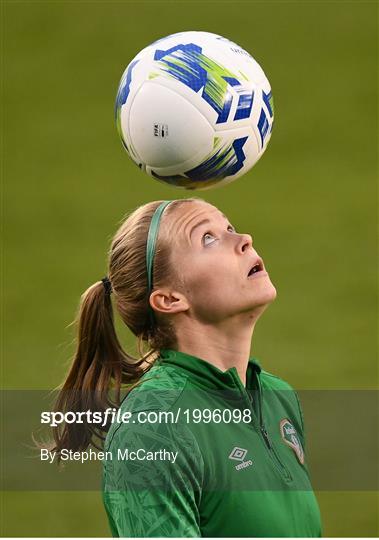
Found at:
(150, 248)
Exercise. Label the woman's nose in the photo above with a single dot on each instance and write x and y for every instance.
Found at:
(245, 242)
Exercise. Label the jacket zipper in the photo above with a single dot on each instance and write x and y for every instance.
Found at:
(272, 452)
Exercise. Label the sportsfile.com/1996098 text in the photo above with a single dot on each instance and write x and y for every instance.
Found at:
(112, 415)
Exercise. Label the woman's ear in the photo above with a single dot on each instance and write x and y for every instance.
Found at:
(165, 301)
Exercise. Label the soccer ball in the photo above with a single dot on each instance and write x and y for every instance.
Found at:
(194, 110)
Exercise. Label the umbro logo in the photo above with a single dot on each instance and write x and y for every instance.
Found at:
(239, 454)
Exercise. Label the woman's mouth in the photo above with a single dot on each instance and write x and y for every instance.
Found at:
(257, 270)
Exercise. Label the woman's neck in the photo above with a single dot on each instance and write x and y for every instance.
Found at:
(224, 345)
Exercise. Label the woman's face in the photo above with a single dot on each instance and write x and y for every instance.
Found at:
(215, 264)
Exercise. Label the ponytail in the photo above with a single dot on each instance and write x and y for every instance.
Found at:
(99, 364)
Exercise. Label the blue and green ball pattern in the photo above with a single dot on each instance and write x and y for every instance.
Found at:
(224, 160)
(187, 64)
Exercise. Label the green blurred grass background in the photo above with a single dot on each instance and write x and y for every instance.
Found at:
(310, 203)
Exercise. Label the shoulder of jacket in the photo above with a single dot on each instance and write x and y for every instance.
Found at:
(290, 397)
(158, 389)
(274, 382)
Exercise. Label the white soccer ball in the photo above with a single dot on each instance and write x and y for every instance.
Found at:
(194, 110)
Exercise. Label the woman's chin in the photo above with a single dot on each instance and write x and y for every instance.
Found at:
(265, 297)
(271, 293)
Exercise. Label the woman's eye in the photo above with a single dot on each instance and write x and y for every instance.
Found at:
(208, 238)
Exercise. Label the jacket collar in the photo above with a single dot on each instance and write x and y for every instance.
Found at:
(206, 374)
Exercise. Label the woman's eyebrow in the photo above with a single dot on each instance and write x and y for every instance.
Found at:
(202, 222)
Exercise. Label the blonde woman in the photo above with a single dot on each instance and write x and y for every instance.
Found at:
(209, 443)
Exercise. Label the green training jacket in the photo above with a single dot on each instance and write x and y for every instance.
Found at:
(199, 454)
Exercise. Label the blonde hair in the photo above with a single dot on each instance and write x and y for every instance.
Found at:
(100, 364)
